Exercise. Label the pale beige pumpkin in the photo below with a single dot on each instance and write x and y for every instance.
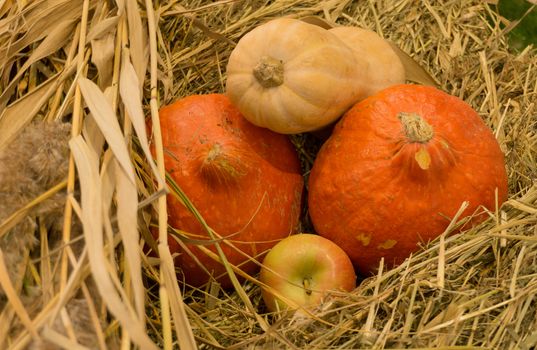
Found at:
(386, 67)
(292, 77)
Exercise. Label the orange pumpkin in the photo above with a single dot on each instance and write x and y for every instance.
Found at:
(244, 180)
(397, 168)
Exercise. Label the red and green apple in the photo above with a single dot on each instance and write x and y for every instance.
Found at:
(302, 269)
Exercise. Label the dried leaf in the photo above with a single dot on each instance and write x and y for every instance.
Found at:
(318, 22)
(133, 104)
(413, 71)
(17, 115)
(120, 7)
(56, 39)
(108, 188)
(92, 211)
(127, 196)
(182, 324)
(60, 340)
(102, 28)
(127, 214)
(4, 7)
(93, 134)
(42, 19)
(106, 119)
(137, 40)
(13, 297)
(103, 58)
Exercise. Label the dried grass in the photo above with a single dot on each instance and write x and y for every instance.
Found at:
(103, 66)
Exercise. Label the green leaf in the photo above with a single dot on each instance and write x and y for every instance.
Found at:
(523, 15)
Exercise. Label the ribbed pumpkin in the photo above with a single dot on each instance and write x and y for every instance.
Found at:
(386, 69)
(397, 168)
(244, 180)
(291, 76)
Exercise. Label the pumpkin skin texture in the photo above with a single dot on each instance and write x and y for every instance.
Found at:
(386, 67)
(397, 168)
(244, 180)
(293, 77)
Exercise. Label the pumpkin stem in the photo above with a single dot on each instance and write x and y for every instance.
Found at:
(219, 167)
(269, 72)
(416, 128)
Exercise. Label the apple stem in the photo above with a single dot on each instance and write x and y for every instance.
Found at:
(307, 285)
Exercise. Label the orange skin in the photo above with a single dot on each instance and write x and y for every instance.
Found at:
(369, 194)
(244, 180)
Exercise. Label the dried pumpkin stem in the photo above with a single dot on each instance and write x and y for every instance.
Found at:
(416, 128)
(269, 72)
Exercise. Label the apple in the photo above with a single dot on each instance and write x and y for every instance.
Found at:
(302, 269)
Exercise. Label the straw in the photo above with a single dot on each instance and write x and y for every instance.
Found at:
(107, 67)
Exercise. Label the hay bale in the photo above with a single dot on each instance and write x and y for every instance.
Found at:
(105, 68)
